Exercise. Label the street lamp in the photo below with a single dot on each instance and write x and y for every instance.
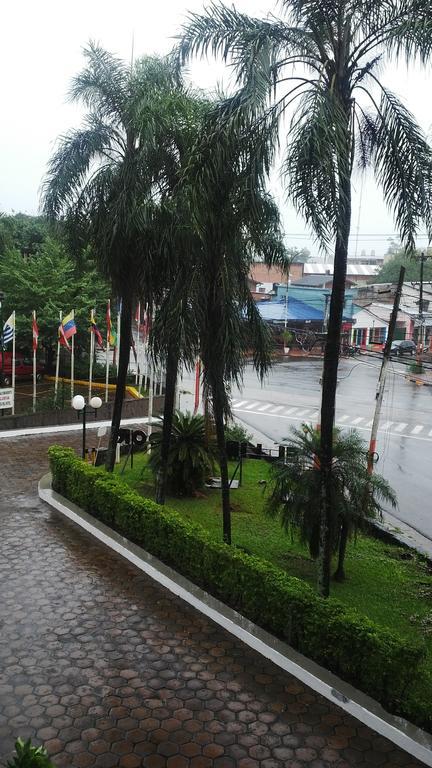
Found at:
(80, 405)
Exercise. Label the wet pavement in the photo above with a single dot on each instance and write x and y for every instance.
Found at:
(106, 668)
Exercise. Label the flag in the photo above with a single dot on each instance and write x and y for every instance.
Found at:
(94, 329)
(35, 330)
(62, 337)
(108, 321)
(8, 330)
(69, 327)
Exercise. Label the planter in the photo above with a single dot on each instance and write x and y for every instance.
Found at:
(286, 350)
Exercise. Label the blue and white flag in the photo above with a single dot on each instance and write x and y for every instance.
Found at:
(8, 330)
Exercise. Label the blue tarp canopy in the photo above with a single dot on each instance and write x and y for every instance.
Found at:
(274, 311)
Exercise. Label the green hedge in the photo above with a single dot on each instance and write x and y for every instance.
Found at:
(370, 657)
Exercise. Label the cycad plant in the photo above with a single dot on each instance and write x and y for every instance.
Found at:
(315, 72)
(190, 459)
(295, 486)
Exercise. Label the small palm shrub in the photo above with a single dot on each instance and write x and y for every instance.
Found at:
(295, 488)
(190, 460)
(29, 756)
(237, 433)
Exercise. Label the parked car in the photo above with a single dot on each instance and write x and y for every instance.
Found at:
(23, 369)
(403, 347)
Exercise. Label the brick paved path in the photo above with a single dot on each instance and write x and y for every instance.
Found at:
(107, 668)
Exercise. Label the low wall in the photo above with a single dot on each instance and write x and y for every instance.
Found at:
(131, 409)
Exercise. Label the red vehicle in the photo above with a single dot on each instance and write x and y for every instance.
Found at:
(23, 368)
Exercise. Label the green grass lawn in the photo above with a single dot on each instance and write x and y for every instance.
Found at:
(390, 585)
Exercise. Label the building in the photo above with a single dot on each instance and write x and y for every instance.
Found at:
(371, 322)
(384, 294)
(356, 273)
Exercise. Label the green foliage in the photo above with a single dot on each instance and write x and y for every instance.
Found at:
(51, 281)
(389, 272)
(237, 433)
(190, 461)
(287, 337)
(22, 233)
(372, 658)
(28, 756)
(294, 494)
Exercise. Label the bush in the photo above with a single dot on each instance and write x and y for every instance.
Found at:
(28, 756)
(372, 658)
(237, 433)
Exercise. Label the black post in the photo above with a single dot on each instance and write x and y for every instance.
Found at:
(84, 432)
(422, 261)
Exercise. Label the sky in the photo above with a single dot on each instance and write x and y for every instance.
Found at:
(41, 50)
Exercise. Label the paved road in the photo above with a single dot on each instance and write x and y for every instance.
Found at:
(108, 669)
(292, 394)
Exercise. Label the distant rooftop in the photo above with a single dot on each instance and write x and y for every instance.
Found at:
(353, 270)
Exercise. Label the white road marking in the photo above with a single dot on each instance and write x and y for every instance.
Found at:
(290, 410)
(387, 425)
(251, 405)
(264, 407)
(342, 418)
(418, 428)
(400, 427)
(430, 433)
(303, 412)
(368, 424)
(357, 420)
(239, 404)
(278, 408)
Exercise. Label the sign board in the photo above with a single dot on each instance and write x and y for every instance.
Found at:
(6, 398)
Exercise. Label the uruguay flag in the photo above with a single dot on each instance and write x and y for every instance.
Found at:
(8, 330)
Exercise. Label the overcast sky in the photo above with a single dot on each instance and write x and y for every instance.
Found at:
(41, 49)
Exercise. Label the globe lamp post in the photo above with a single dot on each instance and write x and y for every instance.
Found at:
(80, 405)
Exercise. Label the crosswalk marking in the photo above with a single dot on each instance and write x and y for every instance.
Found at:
(311, 414)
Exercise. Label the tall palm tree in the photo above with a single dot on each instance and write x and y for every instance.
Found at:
(109, 178)
(319, 65)
(237, 221)
(294, 493)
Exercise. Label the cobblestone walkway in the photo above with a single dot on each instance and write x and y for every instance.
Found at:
(106, 668)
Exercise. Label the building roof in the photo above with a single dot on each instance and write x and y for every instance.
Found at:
(274, 311)
(353, 270)
(316, 281)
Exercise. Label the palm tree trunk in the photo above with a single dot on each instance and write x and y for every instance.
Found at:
(218, 414)
(340, 571)
(169, 405)
(125, 335)
(331, 362)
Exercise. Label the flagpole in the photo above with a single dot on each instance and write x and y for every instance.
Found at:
(91, 352)
(107, 350)
(138, 341)
(13, 363)
(118, 341)
(57, 362)
(73, 359)
(34, 361)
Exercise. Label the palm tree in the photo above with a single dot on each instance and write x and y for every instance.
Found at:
(237, 221)
(319, 65)
(296, 483)
(109, 178)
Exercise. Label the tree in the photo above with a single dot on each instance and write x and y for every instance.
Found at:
(23, 233)
(389, 272)
(321, 62)
(237, 221)
(50, 281)
(107, 180)
(295, 485)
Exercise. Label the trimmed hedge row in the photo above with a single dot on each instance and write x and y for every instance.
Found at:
(370, 657)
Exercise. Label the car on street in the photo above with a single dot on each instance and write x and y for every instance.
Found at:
(23, 369)
(403, 347)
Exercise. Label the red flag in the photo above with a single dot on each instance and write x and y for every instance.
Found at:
(108, 320)
(35, 330)
(94, 329)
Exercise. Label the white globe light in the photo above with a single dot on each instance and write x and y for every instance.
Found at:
(78, 402)
(96, 402)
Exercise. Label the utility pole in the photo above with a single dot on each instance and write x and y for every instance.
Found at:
(421, 319)
(383, 372)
